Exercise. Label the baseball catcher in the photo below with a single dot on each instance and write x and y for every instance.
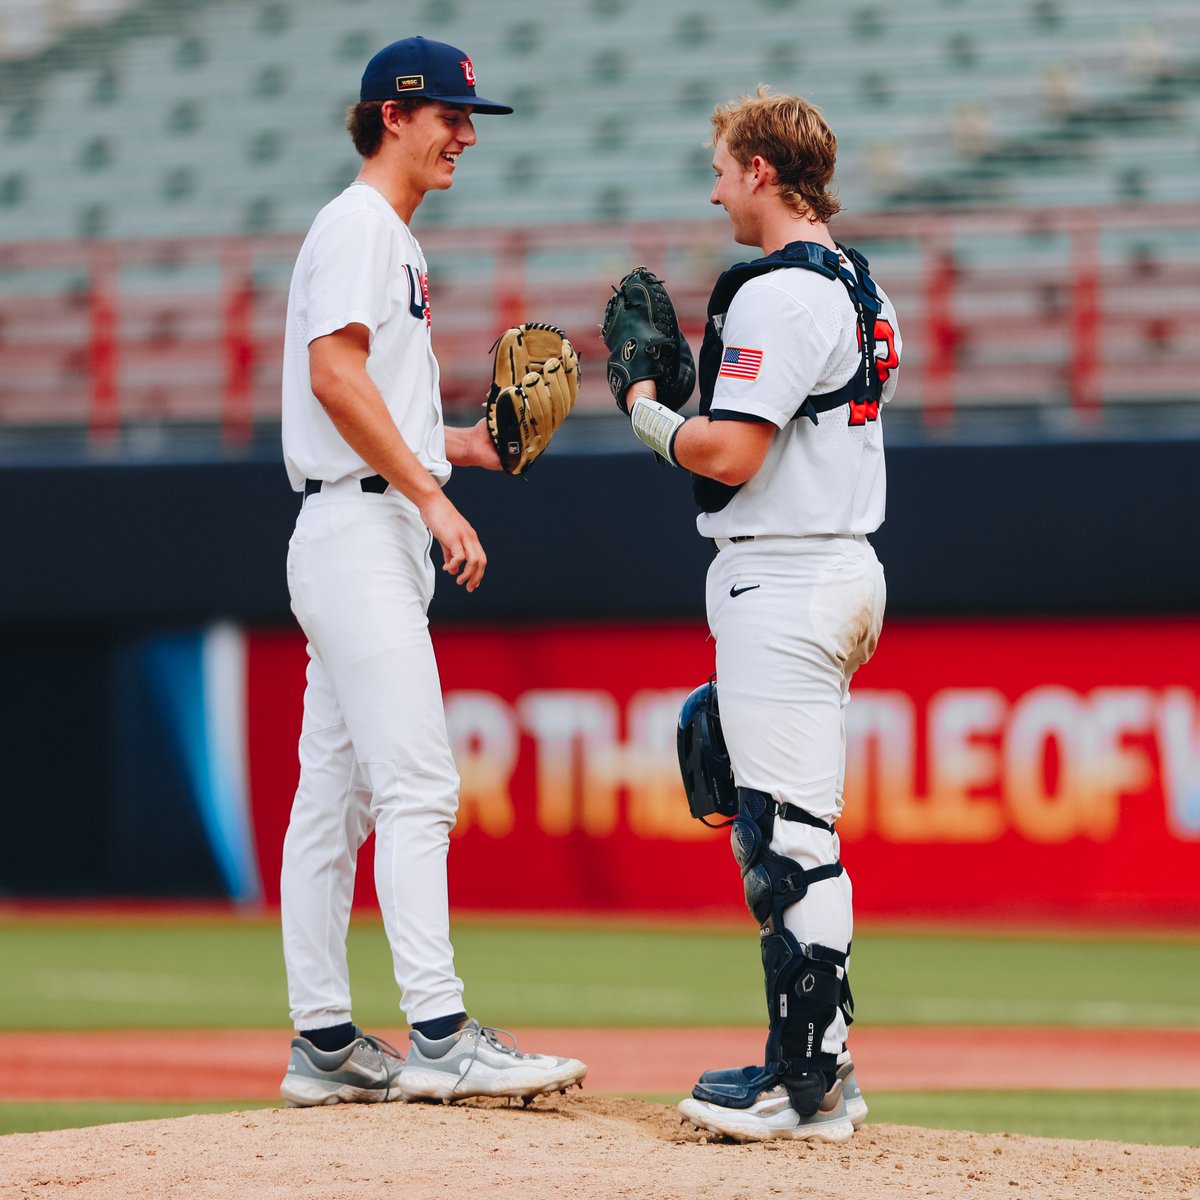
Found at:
(644, 341)
(535, 379)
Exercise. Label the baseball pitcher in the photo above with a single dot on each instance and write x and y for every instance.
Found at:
(365, 445)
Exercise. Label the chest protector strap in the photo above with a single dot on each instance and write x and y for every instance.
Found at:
(864, 386)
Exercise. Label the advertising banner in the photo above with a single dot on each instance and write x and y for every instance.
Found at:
(998, 769)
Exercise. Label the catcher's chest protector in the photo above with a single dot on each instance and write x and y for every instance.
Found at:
(864, 386)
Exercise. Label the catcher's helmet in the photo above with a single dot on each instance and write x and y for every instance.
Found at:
(703, 758)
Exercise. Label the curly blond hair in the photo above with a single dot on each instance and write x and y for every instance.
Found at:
(793, 136)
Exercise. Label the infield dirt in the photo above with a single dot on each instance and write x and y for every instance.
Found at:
(577, 1146)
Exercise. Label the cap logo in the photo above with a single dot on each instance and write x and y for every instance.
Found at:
(410, 83)
(468, 71)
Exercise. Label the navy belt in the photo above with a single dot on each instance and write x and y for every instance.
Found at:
(375, 484)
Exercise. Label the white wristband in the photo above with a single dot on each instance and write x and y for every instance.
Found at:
(657, 426)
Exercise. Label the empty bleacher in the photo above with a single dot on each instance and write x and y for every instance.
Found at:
(226, 117)
(223, 119)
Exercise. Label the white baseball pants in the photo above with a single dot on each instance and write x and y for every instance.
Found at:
(374, 754)
(793, 619)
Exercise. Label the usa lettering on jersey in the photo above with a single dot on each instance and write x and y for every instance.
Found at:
(418, 295)
(740, 363)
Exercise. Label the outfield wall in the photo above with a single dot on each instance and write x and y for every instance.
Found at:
(1026, 742)
(1095, 527)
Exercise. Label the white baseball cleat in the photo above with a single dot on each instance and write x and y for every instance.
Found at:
(476, 1062)
(365, 1072)
(772, 1116)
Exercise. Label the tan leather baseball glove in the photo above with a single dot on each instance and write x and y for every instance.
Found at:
(535, 379)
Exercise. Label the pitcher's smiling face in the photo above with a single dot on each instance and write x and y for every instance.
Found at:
(433, 136)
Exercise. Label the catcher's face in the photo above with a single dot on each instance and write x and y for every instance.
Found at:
(733, 191)
(432, 138)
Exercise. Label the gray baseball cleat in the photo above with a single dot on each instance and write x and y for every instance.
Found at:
(771, 1115)
(856, 1105)
(476, 1062)
(365, 1072)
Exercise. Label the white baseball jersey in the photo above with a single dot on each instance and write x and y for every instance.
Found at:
(360, 264)
(374, 751)
(798, 607)
(789, 334)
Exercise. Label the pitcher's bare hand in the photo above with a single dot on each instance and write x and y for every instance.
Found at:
(461, 549)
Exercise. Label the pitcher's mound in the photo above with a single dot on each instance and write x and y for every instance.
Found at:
(576, 1147)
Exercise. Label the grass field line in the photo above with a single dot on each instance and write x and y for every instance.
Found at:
(1011, 1010)
(621, 1003)
(231, 976)
(133, 987)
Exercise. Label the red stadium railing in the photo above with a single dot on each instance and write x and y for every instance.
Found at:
(1079, 310)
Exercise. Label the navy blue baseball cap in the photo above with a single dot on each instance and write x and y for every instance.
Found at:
(422, 68)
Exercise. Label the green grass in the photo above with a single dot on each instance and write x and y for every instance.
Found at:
(27, 1117)
(228, 973)
(1166, 1118)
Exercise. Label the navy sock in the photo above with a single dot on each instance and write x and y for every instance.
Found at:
(333, 1037)
(440, 1027)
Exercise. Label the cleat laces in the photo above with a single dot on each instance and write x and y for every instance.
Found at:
(384, 1050)
(494, 1038)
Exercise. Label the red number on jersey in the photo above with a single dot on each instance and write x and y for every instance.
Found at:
(889, 360)
(886, 361)
(860, 414)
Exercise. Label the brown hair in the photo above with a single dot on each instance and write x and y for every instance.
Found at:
(365, 122)
(793, 136)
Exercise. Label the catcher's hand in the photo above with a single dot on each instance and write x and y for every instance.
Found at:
(644, 341)
(535, 379)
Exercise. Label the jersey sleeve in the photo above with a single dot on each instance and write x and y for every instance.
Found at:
(349, 272)
(773, 355)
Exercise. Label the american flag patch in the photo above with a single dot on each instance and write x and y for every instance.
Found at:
(740, 363)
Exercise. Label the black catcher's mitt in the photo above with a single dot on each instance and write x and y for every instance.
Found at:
(535, 379)
(644, 341)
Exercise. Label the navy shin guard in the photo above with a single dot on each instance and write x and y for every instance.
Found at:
(804, 990)
(803, 993)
